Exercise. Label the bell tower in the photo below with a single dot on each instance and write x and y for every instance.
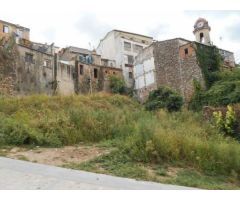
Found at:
(202, 31)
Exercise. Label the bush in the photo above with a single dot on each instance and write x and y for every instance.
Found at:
(14, 133)
(57, 121)
(117, 85)
(185, 139)
(225, 90)
(227, 124)
(164, 97)
(180, 137)
(222, 93)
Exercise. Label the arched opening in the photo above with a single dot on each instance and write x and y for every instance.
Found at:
(201, 37)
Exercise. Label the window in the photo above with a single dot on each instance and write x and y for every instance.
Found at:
(81, 69)
(186, 51)
(5, 29)
(95, 73)
(47, 63)
(29, 58)
(127, 46)
(201, 37)
(130, 75)
(137, 48)
(106, 72)
(44, 73)
(130, 59)
(20, 33)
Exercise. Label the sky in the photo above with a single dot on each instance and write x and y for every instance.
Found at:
(83, 23)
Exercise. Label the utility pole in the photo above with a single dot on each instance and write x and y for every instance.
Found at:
(90, 74)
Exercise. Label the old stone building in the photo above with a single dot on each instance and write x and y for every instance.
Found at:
(85, 71)
(36, 68)
(173, 63)
(143, 63)
(122, 47)
(93, 76)
(7, 29)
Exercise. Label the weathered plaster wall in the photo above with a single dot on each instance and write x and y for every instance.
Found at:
(144, 73)
(112, 47)
(65, 80)
(228, 58)
(105, 73)
(86, 80)
(34, 77)
(13, 29)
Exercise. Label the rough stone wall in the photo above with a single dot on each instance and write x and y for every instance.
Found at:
(105, 73)
(143, 93)
(8, 56)
(175, 69)
(190, 71)
(167, 64)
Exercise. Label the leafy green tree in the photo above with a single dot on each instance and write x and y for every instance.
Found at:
(117, 85)
(164, 97)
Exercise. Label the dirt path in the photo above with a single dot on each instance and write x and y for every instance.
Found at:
(57, 156)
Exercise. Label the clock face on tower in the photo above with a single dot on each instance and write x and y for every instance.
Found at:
(200, 25)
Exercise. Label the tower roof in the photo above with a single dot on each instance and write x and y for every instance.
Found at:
(200, 19)
(200, 24)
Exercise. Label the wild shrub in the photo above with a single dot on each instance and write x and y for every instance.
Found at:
(57, 121)
(185, 138)
(224, 90)
(117, 85)
(227, 124)
(164, 97)
(222, 93)
(13, 132)
(179, 137)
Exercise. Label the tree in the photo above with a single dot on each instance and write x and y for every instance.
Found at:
(164, 97)
(117, 85)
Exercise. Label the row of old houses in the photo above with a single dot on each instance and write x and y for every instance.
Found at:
(42, 68)
(142, 62)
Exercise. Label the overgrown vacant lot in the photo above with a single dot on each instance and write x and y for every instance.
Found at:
(179, 148)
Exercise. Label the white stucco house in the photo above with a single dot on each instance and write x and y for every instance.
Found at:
(123, 47)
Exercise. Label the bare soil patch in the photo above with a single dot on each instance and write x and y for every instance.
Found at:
(57, 156)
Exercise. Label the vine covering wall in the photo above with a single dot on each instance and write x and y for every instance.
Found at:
(210, 62)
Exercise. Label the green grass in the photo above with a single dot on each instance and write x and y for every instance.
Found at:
(121, 165)
(139, 139)
(193, 178)
(58, 121)
(22, 157)
(114, 163)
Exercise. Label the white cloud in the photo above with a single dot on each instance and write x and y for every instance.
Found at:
(77, 23)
